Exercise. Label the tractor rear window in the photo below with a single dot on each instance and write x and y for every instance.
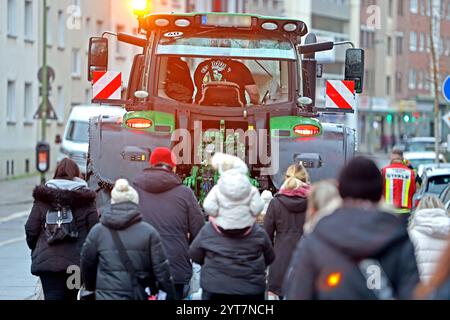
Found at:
(240, 82)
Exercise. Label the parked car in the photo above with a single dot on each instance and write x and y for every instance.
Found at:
(433, 182)
(421, 151)
(445, 197)
(75, 142)
(431, 166)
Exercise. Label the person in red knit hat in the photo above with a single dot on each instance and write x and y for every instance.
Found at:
(173, 210)
(163, 157)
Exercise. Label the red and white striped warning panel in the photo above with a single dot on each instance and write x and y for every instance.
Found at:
(340, 95)
(107, 85)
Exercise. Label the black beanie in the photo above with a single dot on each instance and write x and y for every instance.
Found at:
(361, 179)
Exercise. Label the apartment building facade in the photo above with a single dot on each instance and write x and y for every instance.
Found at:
(70, 24)
(398, 100)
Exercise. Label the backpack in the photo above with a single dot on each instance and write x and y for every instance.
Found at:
(60, 226)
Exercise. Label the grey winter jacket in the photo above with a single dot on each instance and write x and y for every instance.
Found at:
(232, 263)
(172, 209)
(325, 264)
(101, 266)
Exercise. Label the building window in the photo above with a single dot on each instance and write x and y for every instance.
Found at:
(388, 85)
(422, 42)
(399, 45)
(11, 103)
(413, 42)
(28, 103)
(99, 28)
(76, 63)
(61, 104)
(61, 30)
(28, 23)
(88, 96)
(420, 80)
(400, 7)
(412, 79)
(389, 46)
(427, 80)
(49, 28)
(422, 7)
(119, 45)
(398, 83)
(11, 23)
(88, 26)
(413, 6)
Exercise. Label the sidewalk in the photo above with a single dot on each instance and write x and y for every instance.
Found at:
(17, 195)
(16, 281)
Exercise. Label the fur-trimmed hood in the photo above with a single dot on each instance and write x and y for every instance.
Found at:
(72, 198)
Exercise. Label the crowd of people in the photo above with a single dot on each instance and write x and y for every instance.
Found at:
(344, 239)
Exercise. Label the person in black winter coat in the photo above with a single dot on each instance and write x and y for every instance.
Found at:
(284, 222)
(350, 250)
(51, 262)
(233, 262)
(173, 210)
(102, 268)
(234, 255)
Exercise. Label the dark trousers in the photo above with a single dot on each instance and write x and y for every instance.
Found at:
(55, 287)
(181, 291)
(224, 297)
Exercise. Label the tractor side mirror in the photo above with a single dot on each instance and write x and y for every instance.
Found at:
(354, 68)
(98, 56)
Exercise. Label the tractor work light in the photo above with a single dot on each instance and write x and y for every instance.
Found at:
(307, 130)
(218, 20)
(140, 7)
(182, 23)
(162, 22)
(139, 123)
(290, 27)
(269, 26)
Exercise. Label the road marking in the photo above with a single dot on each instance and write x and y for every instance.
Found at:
(11, 241)
(14, 216)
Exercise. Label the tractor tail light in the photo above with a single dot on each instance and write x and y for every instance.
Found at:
(139, 123)
(307, 130)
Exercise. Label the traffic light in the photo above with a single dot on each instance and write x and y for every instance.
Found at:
(389, 118)
(406, 118)
(42, 157)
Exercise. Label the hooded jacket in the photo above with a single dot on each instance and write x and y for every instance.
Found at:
(172, 209)
(234, 202)
(233, 262)
(429, 231)
(325, 264)
(58, 257)
(101, 266)
(284, 224)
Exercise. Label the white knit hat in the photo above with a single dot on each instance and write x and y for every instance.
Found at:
(123, 192)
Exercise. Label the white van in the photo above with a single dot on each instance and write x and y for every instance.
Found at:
(75, 142)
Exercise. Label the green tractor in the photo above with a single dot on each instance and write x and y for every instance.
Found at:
(215, 82)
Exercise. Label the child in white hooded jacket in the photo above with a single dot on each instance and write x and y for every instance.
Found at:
(429, 231)
(234, 202)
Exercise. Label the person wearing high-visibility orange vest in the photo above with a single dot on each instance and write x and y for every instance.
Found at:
(399, 184)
